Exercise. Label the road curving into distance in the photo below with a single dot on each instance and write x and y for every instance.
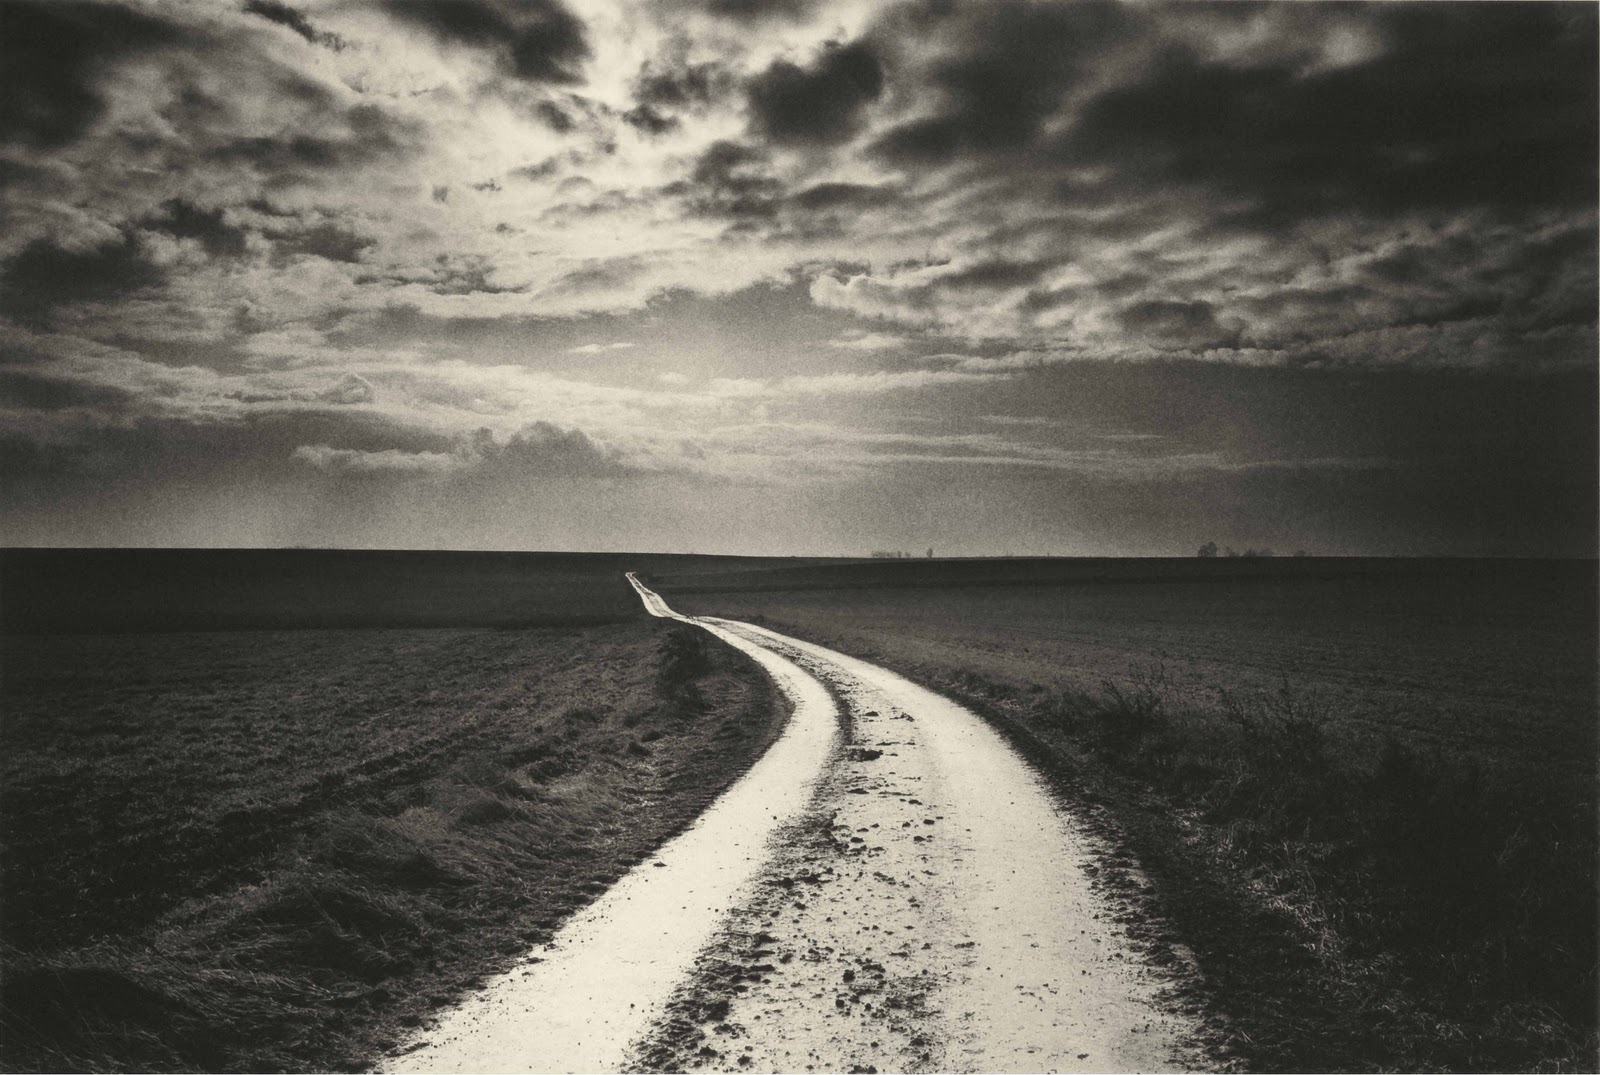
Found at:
(889, 887)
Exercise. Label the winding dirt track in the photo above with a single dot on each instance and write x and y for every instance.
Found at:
(890, 887)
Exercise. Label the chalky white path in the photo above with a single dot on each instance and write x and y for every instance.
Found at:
(962, 876)
(578, 1002)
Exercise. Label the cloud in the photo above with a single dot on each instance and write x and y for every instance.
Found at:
(208, 226)
(365, 134)
(1389, 133)
(283, 15)
(730, 179)
(647, 119)
(351, 389)
(220, 226)
(1005, 72)
(547, 449)
(830, 196)
(386, 461)
(872, 341)
(816, 104)
(1178, 325)
(667, 83)
(327, 240)
(538, 40)
(753, 11)
(51, 58)
(844, 384)
(44, 276)
(540, 450)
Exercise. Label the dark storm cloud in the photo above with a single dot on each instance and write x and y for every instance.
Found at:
(43, 276)
(1015, 62)
(1456, 104)
(754, 11)
(730, 179)
(209, 226)
(283, 15)
(683, 85)
(820, 103)
(669, 85)
(997, 273)
(646, 119)
(38, 391)
(51, 57)
(146, 451)
(330, 241)
(1466, 105)
(538, 40)
(827, 196)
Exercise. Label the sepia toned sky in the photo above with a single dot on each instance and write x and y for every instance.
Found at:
(799, 276)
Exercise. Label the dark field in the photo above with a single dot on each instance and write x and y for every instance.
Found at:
(78, 590)
(1364, 790)
(1495, 660)
(267, 850)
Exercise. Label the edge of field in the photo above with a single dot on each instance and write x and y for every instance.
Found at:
(352, 923)
(1217, 816)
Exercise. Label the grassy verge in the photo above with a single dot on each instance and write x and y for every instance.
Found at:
(1355, 904)
(280, 850)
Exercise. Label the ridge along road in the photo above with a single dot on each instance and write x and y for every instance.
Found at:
(890, 886)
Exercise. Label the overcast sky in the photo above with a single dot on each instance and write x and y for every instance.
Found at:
(799, 276)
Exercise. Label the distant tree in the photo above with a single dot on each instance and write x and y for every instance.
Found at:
(1299, 553)
(1208, 550)
(930, 552)
(1229, 552)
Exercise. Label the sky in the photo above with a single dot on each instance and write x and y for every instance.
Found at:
(814, 277)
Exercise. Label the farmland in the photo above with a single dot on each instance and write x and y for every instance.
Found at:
(1363, 791)
(268, 810)
(80, 590)
(278, 849)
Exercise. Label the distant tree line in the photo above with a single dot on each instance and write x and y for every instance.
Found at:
(893, 554)
(1209, 550)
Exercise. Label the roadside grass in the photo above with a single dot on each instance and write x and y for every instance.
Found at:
(284, 850)
(1446, 912)
(1357, 899)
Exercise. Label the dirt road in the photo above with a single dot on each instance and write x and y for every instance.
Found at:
(890, 888)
